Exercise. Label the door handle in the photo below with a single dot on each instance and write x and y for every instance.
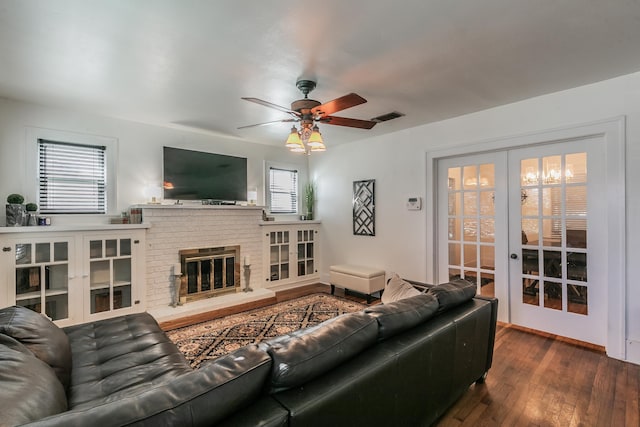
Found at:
(514, 256)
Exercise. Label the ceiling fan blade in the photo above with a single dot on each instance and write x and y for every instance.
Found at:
(344, 121)
(269, 123)
(338, 104)
(274, 106)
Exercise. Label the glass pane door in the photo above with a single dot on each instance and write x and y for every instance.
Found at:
(471, 222)
(306, 259)
(558, 249)
(278, 255)
(42, 277)
(472, 201)
(554, 232)
(110, 274)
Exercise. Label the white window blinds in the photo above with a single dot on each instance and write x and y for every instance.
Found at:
(72, 178)
(283, 190)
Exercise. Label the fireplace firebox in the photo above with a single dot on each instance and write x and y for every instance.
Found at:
(208, 272)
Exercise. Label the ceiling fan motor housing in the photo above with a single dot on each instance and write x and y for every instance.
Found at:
(304, 105)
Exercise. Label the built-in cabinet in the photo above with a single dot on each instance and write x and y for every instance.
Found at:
(290, 252)
(74, 276)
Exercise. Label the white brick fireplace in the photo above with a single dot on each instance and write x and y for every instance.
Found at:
(179, 227)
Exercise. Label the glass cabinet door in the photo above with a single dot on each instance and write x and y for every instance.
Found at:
(109, 274)
(306, 261)
(278, 255)
(42, 277)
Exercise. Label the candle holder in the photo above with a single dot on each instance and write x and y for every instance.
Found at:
(176, 278)
(247, 275)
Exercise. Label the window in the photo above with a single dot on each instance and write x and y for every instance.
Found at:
(283, 190)
(71, 178)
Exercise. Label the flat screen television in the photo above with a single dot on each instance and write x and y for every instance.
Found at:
(197, 175)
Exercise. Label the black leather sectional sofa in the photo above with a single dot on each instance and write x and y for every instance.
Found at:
(402, 363)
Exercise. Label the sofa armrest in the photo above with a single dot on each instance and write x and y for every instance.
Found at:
(494, 321)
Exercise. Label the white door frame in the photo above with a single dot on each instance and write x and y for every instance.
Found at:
(612, 132)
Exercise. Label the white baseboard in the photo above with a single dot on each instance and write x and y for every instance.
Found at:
(633, 351)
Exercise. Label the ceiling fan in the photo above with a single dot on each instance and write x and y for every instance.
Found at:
(307, 111)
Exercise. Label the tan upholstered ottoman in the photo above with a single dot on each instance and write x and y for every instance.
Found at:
(365, 280)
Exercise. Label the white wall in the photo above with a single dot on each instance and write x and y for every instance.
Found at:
(139, 161)
(398, 164)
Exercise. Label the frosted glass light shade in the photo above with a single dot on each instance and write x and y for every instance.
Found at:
(315, 140)
(293, 140)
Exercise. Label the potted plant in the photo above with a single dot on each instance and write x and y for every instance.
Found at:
(15, 210)
(309, 199)
(32, 217)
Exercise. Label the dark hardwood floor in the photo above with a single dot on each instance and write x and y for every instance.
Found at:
(536, 379)
(543, 380)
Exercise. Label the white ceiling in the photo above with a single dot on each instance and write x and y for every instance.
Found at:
(188, 63)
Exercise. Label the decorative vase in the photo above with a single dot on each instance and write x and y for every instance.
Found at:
(16, 215)
(32, 218)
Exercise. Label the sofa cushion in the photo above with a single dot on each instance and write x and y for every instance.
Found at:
(397, 289)
(30, 388)
(453, 293)
(40, 335)
(302, 355)
(200, 397)
(406, 313)
(118, 353)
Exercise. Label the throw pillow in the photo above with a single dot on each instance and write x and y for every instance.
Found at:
(397, 289)
(46, 341)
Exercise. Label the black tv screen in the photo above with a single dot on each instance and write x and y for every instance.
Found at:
(197, 175)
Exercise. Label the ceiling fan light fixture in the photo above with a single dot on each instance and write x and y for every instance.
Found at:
(307, 111)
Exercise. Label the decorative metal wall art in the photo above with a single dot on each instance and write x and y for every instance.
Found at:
(364, 220)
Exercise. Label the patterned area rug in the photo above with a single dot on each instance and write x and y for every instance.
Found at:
(214, 338)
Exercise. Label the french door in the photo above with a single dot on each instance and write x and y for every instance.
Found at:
(557, 218)
(472, 217)
(526, 225)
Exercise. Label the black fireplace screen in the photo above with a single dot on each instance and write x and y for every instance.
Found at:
(207, 273)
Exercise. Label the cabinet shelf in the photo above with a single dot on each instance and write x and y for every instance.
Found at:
(37, 294)
(28, 295)
(106, 285)
(122, 283)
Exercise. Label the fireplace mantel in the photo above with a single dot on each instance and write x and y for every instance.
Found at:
(198, 206)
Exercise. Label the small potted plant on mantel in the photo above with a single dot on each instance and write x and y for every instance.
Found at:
(15, 210)
(32, 215)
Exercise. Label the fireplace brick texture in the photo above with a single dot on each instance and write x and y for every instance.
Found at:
(175, 228)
